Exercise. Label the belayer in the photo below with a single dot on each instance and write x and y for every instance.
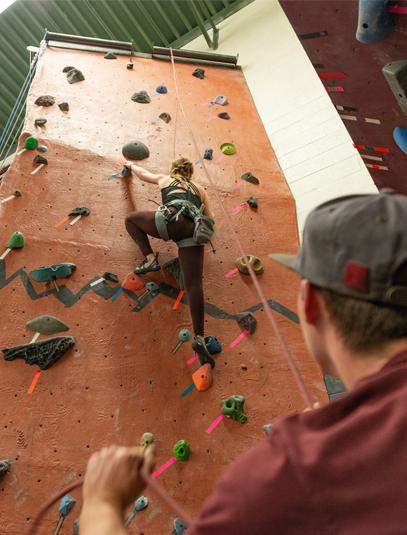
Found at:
(185, 218)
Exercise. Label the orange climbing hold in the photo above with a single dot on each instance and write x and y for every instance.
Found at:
(133, 282)
(202, 378)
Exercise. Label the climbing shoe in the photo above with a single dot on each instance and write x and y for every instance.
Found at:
(147, 266)
(199, 346)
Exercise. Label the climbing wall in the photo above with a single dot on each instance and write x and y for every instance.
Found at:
(351, 71)
(120, 379)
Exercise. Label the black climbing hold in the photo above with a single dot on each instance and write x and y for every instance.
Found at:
(161, 89)
(40, 122)
(173, 267)
(166, 117)
(396, 76)
(208, 154)
(199, 73)
(135, 150)
(44, 353)
(213, 345)
(80, 210)
(124, 173)
(40, 159)
(224, 115)
(47, 325)
(45, 100)
(110, 276)
(74, 75)
(374, 22)
(17, 193)
(52, 272)
(130, 66)
(142, 97)
(110, 55)
(67, 69)
(247, 322)
(250, 178)
(64, 106)
(252, 202)
(4, 467)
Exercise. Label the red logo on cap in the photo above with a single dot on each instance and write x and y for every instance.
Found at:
(356, 277)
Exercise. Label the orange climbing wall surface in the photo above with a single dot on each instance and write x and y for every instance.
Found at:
(120, 379)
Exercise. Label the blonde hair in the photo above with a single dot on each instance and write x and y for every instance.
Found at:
(181, 170)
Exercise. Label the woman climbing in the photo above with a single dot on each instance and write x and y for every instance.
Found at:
(183, 204)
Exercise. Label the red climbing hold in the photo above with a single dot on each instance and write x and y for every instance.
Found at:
(133, 282)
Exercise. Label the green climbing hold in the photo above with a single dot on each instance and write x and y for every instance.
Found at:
(46, 325)
(228, 149)
(233, 407)
(181, 450)
(254, 261)
(16, 241)
(31, 143)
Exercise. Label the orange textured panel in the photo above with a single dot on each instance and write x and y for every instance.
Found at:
(121, 378)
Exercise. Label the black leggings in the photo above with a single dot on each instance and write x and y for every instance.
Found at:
(141, 224)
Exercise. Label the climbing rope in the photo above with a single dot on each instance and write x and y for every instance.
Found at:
(286, 351)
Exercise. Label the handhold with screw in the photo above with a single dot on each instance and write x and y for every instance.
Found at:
(4, 467)
(152, 290)
(65, 507)
(181, 450)
(16, 241)
(184, 335)
(208, 154)
(146, 440)
(40, 160)
(40, 122)
(247, 322)
(140, 504)
(179, 527)
(233, 408)
(15, 195)
(30, 143)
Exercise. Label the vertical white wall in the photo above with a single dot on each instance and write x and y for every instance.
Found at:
(312, 144)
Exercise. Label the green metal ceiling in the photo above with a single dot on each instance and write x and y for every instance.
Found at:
(145, 22)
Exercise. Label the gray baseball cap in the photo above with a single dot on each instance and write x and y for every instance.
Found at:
(356, 246)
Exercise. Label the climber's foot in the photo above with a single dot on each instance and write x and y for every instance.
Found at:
(199, 346)
(147, 266)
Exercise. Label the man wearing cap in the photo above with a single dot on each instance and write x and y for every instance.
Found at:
(342, 468)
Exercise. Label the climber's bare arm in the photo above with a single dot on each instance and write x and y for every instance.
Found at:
(143, 174)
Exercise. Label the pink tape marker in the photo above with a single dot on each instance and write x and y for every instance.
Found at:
(163, 467)
(334, 89)
(238, 339)
(231, 272)
(220, 158)
(239, 207)
(215, 423)
(398, 9)
(192, 360)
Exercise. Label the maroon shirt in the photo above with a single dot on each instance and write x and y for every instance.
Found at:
(341, 469)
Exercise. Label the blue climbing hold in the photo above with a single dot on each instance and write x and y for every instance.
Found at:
(161, 89)
(375, 22)
(66, 505)
(400, 137)
(213, 345)
(179, 527)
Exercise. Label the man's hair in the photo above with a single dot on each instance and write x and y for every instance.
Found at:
(364, 326)
(181, 169)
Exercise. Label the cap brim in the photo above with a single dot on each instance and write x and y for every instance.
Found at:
(287, 260)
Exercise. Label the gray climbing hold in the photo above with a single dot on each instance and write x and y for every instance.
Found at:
(208, 154)
(221, 100)
(4, 467)
(166, 117)
(45, 100)
(179, 527)
(130, 66)
(252, 202)
(17, 193)
(243, 367)
(80, 210)
(40, 122)
(47, 325)
(44, 353)
(142, 97)
(267, 428)
(110, 276)
(64, 106)
(67, 69)
(110, 55)
(141, 503)
(396, 76)
(42, 148)
(74, 75)
(135, 150)
(374, 22)
(53, 271)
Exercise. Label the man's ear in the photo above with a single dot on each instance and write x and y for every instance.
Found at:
(310, 297)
